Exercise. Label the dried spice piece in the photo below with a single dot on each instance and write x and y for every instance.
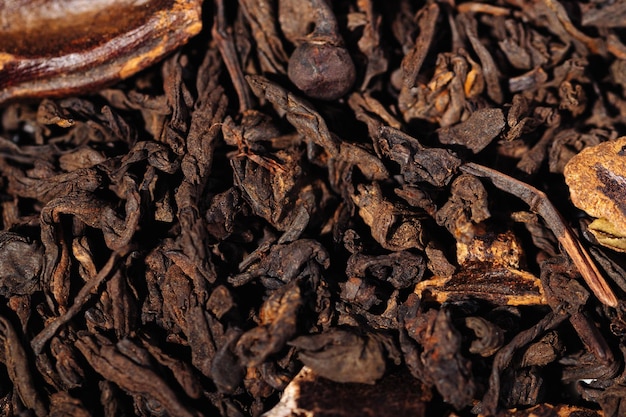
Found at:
(596, 178)
(77, 46)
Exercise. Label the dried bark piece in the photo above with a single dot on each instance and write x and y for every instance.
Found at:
(596, 178)
(67, 47)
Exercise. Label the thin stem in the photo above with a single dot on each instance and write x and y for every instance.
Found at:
(540, 204)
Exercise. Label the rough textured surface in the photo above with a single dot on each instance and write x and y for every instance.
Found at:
(596, 178)
(56, 48)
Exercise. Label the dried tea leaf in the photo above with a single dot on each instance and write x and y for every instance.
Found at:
(444, 365)
(22, 265)
(393, 227)
(342, 356)
(476, 132)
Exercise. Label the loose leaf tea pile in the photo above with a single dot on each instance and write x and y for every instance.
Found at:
(359, 205)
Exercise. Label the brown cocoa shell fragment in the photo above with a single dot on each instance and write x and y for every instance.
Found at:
(62, 47)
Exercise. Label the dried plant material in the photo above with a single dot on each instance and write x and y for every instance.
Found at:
(542, 206)
(441, 356)
(77, 46)
(549, 410)
(500, 286)
(418, 163)
(278, 325)
(370, 43)
(489, 337)
(392, 227)
(320, 66)
(342, 356)
(456, 78)
(183, 242)
(107, 359)
(261, 16)
(15, 360)
(22, 265)
(476, 132)
(466, 208)
(604, 15)
(595, 178)
(413, 60)
(493, 248)
(311, 395)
